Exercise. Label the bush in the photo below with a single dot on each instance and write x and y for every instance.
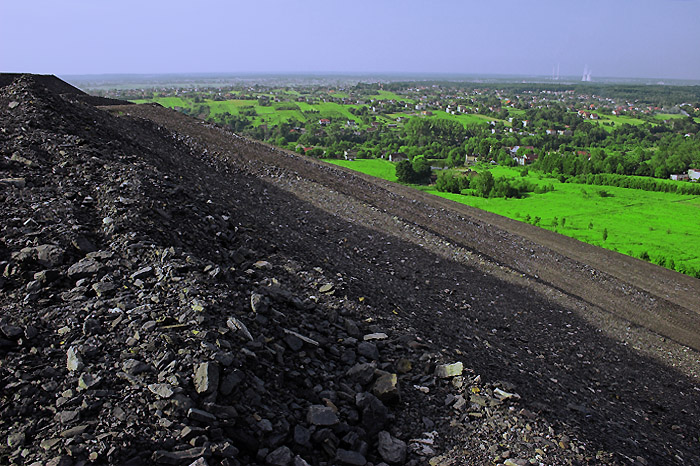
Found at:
(447, 182)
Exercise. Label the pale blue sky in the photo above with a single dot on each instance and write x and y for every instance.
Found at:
(615, 38)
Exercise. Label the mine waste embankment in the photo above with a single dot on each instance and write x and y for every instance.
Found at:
(172, 293)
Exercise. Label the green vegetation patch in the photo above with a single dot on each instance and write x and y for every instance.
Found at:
(661, 226)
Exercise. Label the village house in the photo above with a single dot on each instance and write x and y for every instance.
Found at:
(680, 177)
(693, 174)
(525, 159)
(397, 157)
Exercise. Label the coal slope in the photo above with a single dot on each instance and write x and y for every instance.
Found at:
(166, 304)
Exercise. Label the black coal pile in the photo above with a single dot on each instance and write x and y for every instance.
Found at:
(148, 318)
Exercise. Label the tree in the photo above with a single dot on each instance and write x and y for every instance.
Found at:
(422, 170)
(405, 172)
(483, 184)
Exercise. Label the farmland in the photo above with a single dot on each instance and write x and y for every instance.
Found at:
(640, 135)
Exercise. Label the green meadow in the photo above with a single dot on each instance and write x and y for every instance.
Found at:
(638, 223)
(386, 95)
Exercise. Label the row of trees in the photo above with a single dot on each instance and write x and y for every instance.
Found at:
(485, 185)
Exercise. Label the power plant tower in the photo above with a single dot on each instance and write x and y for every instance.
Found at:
(586, 74)
(555, 73)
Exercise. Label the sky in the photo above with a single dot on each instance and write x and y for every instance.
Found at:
(613, 38)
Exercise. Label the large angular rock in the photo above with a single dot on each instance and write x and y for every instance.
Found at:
(350, 458)
(84, 268)
(392, 450)
(374, 413)
(282, 456)
(49, 255)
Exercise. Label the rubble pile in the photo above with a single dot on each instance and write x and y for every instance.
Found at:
(151, 316)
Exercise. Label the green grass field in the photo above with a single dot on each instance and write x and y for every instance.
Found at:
(386, 95)
(375, 167)
(662, 225)
(169, 102)
(465, 118)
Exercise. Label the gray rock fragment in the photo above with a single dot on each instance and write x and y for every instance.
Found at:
(449, 370)
(239, 327)
(320, 415)
(350, 458)
(281, 456)
(386, 388)
(206, 377)
(392, 450)
(73, 360)
(162, 390)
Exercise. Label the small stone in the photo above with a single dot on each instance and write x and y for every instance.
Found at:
(142, 273)
(88, 381)
(385, 388)
(375, 336)
(503, 395)
(263, 265)
(327, 288)
(14, 182)
(374, 414)
(225, 450)
(49, 255)
(48, 444)
(75, 431)
(65, 417)
(449, 370)
(177, 457)
(16, 439)
(84, 268)
(368, 350)
(13, 104)
(73, 360)
(516, 462)
(350, 458)
(403, 366)
(162, 390)
(206, 377)
(103, 288)
(231, 381)
(302, 435)
(134, 367)
(294, 342)
(362, 373)
(199, 462)
(84, 245)
(320, 415)
(257, 303)
(92, 327)
(200, 416)
(11, 331)
(282, 456)
(238, 327)
(392, 450)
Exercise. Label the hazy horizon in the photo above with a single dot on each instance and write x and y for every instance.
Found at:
(644, 39)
